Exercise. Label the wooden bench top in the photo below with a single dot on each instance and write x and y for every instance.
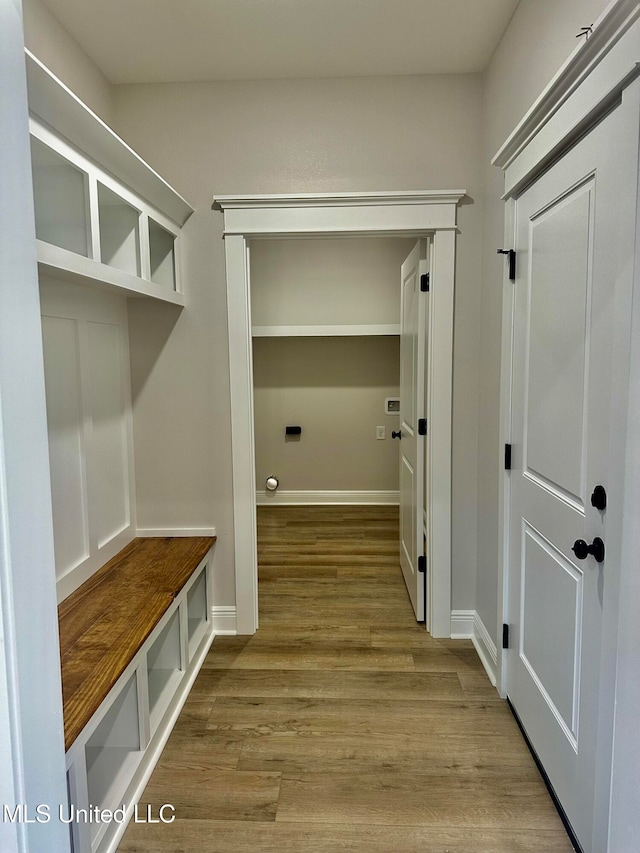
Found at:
(104, 623)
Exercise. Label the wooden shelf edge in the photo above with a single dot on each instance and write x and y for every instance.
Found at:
(62, 264)
(325, 331)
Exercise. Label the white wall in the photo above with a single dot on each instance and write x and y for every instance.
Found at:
(283, 136)
(539, 39)
(316, 282)
(335, 389)
(52, 44)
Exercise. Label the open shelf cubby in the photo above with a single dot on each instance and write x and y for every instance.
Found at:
(113, 751)
(164, 669)
(197, 610)
(119, 232)
(60, 196)
(162, 255)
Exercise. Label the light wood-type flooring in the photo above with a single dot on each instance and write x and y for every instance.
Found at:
(341, 726)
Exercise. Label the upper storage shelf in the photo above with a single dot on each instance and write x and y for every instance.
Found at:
(104, 217)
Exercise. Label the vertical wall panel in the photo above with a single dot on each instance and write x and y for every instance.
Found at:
(108, 442)
(66, 450)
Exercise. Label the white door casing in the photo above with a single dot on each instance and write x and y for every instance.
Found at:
(412, 213)
(570, 255)
(412, 410)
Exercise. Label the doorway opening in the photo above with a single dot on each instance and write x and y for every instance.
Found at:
(410, 214)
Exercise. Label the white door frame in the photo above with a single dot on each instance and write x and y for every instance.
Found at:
(399, 214)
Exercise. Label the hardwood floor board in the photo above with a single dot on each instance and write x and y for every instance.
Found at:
(203, 751)
(345, 591)
(411, 636)
(409, 799)
(440, 718)
(445, 660)
(319, 557)
(297, 658)
(399, 686)
(213, 794)
(319, 613)
(315, 636)
(215, 836)
(440, 757)
(476, 685)
(276, 573)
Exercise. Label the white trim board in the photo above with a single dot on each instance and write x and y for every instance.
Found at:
(223, 619)
(424, 213)
(144, 532)
(467, 625)
(317, 498)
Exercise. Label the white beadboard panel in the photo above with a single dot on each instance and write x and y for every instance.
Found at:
(282, 498)
(67, 457)
(109, 435)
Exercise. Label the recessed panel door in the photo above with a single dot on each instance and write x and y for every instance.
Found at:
(569, 263)
(412, 365)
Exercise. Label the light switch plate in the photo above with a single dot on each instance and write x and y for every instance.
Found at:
(381, 432)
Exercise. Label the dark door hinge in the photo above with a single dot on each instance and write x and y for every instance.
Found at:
(422, 564)
(512, 262)
(422, 426)
(424, 282)
(507, 457)
(505, 636)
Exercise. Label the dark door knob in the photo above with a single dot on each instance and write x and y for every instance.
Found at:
(582, 550)
(599, 498)
(397, 434)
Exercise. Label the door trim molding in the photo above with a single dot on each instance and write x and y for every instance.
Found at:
(326, 214)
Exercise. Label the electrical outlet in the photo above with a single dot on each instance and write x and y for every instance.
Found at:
(381, 432)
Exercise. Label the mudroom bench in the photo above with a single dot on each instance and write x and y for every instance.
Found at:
(132, 639)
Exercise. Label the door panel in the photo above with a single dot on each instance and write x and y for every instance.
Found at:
(563, 440)
(412, 373)
(560, 245)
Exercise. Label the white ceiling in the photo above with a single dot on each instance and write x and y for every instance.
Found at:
(149, 41)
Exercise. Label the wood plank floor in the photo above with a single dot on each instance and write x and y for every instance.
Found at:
(341, 725)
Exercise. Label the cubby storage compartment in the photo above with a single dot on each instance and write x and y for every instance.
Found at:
(119, 232)
(113, 751)
(60, 196)
(162, 256)
(164, 669)
(197, 610)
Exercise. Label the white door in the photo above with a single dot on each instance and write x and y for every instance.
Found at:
(569, 259)
(412, 411)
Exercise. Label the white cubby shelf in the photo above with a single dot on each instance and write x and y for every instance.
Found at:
(104, 217)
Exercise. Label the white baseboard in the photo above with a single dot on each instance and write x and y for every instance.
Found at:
(283, 498)
(486, 648)
(467, 625)
(223, 619)
(175, 531)
(462, 624)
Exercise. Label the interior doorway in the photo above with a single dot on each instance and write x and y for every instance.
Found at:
(410, 214)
